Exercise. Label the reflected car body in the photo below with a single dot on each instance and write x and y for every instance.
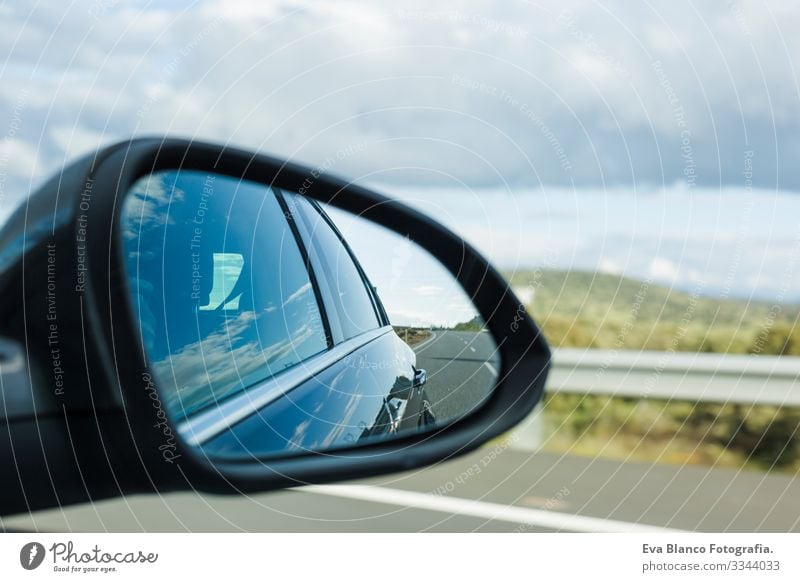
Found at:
(369, 393)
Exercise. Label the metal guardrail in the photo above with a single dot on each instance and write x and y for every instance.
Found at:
(744, 379)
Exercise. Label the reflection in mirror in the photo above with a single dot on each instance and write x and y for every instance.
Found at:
(274, 325)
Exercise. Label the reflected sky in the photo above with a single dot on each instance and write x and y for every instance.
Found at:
(414, 287)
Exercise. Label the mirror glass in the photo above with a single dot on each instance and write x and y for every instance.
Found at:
(274, 325)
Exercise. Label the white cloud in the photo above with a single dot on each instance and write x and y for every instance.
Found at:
(663, 270)
(76, 140)
(611, 266)
(569, 96)
(18, 157)
(243, 11)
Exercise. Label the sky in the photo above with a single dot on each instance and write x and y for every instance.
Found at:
(574, 113)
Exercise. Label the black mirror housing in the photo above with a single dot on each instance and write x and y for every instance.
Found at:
(91, 424)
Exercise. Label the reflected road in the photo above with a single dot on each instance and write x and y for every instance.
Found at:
(462, 368)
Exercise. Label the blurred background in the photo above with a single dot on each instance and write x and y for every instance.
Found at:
(631, 169)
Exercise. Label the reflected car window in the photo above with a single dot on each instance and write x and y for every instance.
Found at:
(353, 303)
(219, 285)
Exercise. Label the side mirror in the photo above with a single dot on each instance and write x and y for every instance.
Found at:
(202, 317)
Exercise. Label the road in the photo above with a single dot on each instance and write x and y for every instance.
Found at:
(510, 491)
(462, 368)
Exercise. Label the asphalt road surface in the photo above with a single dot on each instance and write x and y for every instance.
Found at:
(495, 489)
(462, 368)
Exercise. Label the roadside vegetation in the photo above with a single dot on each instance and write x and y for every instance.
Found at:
(475, 324)
(412, 335)
(593, 310)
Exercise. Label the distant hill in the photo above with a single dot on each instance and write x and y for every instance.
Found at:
(600, 310)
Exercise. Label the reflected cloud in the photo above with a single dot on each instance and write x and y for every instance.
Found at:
(147, 204)
(427, 290)
(225, 361)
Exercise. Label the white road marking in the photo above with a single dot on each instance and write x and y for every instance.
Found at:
(420, 345)
(484, 509)
(491, 368)
(471, 348)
